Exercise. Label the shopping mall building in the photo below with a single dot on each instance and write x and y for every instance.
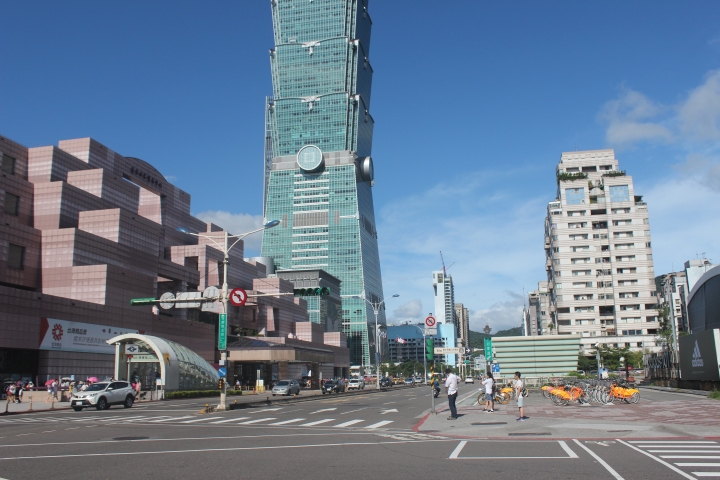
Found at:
(84, 229)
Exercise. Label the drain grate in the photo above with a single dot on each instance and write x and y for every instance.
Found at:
(490, 423)
(527, 434)
(131, 438)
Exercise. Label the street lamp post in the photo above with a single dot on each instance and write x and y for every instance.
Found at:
(224, 293)
(376, 309)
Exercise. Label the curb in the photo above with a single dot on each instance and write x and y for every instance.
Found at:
(701, 393)
(310, 398)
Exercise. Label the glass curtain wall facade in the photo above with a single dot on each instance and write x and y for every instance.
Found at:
(319, 180)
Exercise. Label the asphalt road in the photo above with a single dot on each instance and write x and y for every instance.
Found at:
(365, 436)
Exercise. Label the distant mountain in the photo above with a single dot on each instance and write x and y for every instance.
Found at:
(477, 339)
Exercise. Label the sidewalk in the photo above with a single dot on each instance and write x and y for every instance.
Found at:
(24, 407)
(647, 419)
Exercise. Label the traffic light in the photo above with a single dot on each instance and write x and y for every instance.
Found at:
(429, 346)
(311, 292)
(221, 383)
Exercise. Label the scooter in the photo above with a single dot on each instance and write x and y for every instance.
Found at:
(436, 392)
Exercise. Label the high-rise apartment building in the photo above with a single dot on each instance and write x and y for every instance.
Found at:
(536, 320)
(319, 173)
(599, 255)
(444, 293)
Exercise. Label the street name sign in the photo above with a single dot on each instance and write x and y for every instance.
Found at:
(447, 351)
(429, 332)
(222, 331)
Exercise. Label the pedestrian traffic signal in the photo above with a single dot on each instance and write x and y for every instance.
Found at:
(221, 383)
(429, 346)
(311, 292)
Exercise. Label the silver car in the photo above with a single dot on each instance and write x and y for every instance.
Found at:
(286, 387)
(356, 384)
(102, 395)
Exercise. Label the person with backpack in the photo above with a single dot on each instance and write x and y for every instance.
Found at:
(489, 384)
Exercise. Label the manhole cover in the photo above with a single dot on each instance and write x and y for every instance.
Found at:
(527, 434)
(490, 423)
(131, 438)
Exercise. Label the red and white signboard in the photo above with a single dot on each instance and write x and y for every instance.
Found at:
(238, 297)
(430, 321)
(400, 340)
(70, 336)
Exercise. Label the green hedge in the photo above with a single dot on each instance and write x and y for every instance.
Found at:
(198, 393)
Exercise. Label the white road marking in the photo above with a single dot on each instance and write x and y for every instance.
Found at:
(692, 464)
(170, 419)
(197, 420)
(684, 451)
(324, 410)
(231, 419)
(347, 424)
(678, 446)
(231, 449)
(706, 474)
(394, 410)
(674, 442)
(317, 423)
(600, 461)
(671, 467)
(708, 457)
(379, 424)
(458, 449)
(257, 421)
(288, 421)
(46, 431)
(356, 410)
(266, 410)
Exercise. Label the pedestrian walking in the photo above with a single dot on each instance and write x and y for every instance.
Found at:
(519, 396)
(489, 383)
(54, 388)
(10, 392)
(138, 387)
(49, 392)
(451, 389)
(18, 392)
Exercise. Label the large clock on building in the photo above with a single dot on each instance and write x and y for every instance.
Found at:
(309, 158)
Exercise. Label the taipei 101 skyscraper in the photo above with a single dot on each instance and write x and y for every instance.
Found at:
(318, 169)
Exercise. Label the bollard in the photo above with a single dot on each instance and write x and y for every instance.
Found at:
(31, 409)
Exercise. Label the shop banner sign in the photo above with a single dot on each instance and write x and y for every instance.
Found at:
(67, 336)
(699, 356)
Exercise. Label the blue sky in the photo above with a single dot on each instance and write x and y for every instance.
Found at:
(473, 103)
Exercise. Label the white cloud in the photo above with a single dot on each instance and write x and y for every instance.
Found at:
(633, 118)
(685, 214)
(481, 222)
(627, 119)
(237, 223)
(700, 113)
(411, 311)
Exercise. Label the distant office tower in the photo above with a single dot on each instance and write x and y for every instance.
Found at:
(536, 319)
(599, 255)
(445, 305)
(318, 139)
(463, 321)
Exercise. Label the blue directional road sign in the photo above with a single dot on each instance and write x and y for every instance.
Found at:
(222, 371)
(495, 368)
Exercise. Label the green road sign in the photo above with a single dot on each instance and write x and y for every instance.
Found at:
(488, 349)
(142, 301)
(222, 332)
(467, 362)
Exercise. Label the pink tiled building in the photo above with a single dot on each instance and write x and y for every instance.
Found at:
(84, 229)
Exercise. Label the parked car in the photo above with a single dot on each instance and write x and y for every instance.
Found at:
(356, 384)
(102, 395)
(469, 380)
(333, 386)
(386, 382)
(409, 381)
(286, 387)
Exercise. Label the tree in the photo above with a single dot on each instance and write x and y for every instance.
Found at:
(586, 363)
(665, 334)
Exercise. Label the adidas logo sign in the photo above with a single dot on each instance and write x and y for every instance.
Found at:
(697, 360)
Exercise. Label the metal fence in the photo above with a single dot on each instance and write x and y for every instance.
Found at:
(661, 365)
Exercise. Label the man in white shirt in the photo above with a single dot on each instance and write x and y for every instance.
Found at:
(451, 388)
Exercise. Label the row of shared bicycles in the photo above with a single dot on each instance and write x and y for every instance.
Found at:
(604, 392)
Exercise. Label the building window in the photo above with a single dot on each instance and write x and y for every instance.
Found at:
(8, 164)
(16, 257)
(619, 193)
(575, 196)
(12, 204)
